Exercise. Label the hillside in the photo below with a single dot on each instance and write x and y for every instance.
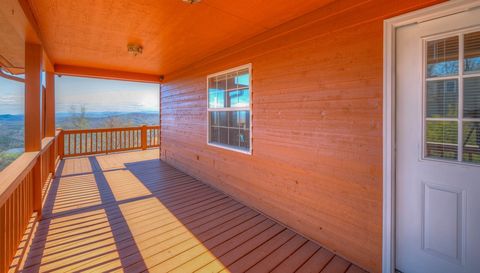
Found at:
(12, 127)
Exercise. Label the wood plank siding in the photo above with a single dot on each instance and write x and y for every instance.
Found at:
(317, 125)
(131, 212)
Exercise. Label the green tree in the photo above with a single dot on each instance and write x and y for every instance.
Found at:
(79, 120)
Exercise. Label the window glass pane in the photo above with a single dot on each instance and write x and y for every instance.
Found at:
(231, 81)
(442, 139)
(223, 135)
(214, 134)
(243, 79)
(442, 57)
(239, 98)
(212, 92)
(243, 98)
(212, 99)
(216, 92)
(232, 99)
(233, 119)
(442, 99)
(244, 139)
(221, 82)
(223, 119)
(471, 97)
(214, 119)
(233, 136)
(244, 119)
(216, 99)
(472, 52)
(471, 141)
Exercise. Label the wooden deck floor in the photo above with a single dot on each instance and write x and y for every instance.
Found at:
(131, 212)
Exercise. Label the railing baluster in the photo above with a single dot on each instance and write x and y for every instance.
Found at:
(81, 143)
(75, 143)
(127, 138)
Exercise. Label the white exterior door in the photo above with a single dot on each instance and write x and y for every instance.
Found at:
(438, 145)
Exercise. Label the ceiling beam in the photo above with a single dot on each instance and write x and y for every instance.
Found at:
(89, 72)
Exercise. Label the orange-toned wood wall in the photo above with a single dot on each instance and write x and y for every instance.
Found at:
(317, 125)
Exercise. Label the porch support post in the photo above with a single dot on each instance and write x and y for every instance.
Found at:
(144, 137)
(50, 117)
(33, 115)
(160, 121)
(50, 105)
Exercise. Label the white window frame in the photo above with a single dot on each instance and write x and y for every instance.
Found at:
(249, 108)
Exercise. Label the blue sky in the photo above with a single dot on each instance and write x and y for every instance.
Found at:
(96, 95)
(11, 97)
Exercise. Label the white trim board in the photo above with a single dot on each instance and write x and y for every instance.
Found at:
(390, 26)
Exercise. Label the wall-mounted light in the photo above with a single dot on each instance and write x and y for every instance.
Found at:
(134, 49)
(191, 1)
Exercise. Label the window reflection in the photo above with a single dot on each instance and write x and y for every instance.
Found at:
(472, 52)
(442, 57)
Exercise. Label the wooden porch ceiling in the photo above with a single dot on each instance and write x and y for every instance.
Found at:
(131, 212)
(95, 34)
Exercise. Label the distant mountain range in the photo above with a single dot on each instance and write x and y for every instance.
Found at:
(87, 114)
(8, 117)
(107, 114)
(12, 127)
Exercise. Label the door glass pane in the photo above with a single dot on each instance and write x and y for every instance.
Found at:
(472, 52)
(442, 57)
(471, 97)
(442, 139)
(471, 141)
(442, 99)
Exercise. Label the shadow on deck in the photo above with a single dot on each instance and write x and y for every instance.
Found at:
(132, 212)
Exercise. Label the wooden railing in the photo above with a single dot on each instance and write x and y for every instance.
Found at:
(21, 186)
(107, 140)
(22, 183)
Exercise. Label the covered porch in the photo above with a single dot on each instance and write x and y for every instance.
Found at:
(130, 211)
(275, 147)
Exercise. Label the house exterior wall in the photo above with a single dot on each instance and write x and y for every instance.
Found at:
(316, 164)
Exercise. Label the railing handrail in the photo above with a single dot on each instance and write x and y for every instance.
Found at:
(72, 131)
(14, 173)
(81, 142)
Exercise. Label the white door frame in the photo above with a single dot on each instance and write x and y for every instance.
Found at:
(389, 30)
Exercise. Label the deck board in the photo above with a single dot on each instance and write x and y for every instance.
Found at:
(131, 212)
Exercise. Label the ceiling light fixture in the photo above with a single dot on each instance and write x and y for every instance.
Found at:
(191, 1)
(134, 49)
